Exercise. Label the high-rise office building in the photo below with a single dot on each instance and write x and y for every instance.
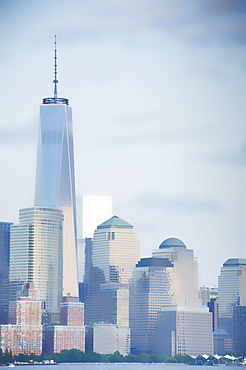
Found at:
(239, 330)
(115, 251)
(185, 266)
(167, 279)
(55, 178)
(154, 284)
(213, 308)
(4, 271)
(231, 291)
(205, 294)
(183, 330)
(36, 256)
(114, 304)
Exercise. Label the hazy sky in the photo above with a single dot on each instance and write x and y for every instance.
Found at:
(157, 89)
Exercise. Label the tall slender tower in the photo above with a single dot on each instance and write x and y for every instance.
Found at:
(231, 291)
(36, 257)
(115, 250)
(4, 271)
(55, 178)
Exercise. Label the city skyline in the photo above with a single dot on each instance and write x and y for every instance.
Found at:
(157, 90)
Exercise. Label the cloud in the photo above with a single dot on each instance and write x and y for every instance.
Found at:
(157, 129)
(132, 22)
(236, 157)
(223, 21)
(225, 7)
(185, 203)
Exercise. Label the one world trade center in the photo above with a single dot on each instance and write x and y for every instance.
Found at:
(55, 178)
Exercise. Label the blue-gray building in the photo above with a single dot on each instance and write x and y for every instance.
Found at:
(4, 271)
(239, 331)
(231, 292)
(163, 288)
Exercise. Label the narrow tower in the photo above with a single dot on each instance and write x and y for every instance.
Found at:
(55, 178)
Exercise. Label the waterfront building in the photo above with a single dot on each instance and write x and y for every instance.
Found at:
(26, 335)
(36, 257)
(183, 330)
(4, 271)
(21, 339)
(55, 177)
(59, 337)
(239, 330)
(71, 331)
(231, 291)
(222, 342)
(107, 339)
(168, 278)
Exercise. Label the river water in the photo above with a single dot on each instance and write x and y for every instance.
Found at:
(124, 366)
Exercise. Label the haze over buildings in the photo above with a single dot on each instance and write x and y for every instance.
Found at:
(157, 89)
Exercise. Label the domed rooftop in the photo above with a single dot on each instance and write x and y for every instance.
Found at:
(172, 242)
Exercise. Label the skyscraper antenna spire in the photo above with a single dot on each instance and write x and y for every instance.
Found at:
(55, 81)
(55, 99)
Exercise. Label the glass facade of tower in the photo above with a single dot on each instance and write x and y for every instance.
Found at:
(239, 330)
(36, 255)
(231, 290)
(167, 278)
(183, 330)
(55, 178)
(55, 158)
(114, 299)
(185, 265)
(4, 271)
(114, 252)
(154, 284)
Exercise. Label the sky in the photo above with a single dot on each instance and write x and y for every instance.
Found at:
(157, 89)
